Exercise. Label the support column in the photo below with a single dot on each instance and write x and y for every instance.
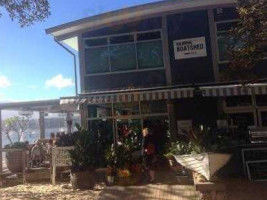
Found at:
(1, 160)
(171, 115)
(42, 125)
(69, 122)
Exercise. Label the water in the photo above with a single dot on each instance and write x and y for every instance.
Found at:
(30, 135)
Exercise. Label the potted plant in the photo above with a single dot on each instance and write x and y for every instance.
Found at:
(85, 158)
(15, 125)
(205, 156)
(111, 159)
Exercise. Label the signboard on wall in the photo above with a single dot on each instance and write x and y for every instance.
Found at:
(190, 48)
(184, 125)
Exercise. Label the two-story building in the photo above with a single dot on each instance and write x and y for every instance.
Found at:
(158, 64)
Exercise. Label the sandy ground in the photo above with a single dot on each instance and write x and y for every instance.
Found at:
(46, 191)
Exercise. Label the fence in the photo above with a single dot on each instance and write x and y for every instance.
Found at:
(60, 158)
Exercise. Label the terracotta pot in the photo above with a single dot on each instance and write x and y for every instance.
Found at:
(83, 180)
(14, 161)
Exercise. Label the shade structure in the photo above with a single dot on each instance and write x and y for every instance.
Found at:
(130, 96)
(234, 90)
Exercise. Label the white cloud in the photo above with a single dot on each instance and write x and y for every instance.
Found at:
(59, 82)
(4, 82)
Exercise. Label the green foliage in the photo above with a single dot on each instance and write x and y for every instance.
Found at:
(123, 153)
(16, 145)
(88, 152)
(179, 148)
(200, 140)
(26, 11)
(17, 125)
(251, 33)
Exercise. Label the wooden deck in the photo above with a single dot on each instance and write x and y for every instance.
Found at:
(149, 192)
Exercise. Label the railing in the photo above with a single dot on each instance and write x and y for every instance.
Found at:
(60, 158)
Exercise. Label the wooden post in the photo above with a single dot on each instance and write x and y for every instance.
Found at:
(23, 166)
(53, 167)
(42, 125)
(171, 114)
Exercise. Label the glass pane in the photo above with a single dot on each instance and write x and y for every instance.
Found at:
(238, 101)
(226, 26)
(105, 130)
(121, 109)
(121, 39)
(242, 119)
(95, 42)
(122, 57)
(264, 118)
(148, 36)
(261, 100)
(99, 110)
(97, 60)
(149, 107)
(150, 55)
(224, 42)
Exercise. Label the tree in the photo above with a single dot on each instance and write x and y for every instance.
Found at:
(26, 11)
(250, 40)
(17, 125)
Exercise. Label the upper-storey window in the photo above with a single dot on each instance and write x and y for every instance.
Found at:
(126, 52)
(224, 39)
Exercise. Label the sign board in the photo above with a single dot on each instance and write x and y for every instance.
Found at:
(221, 123)
(184, 125)
(190, 48)
(60, 158)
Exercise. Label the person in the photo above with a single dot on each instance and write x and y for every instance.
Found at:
(149, 154)
(36, 154)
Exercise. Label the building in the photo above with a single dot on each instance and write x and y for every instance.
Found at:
(160, 63)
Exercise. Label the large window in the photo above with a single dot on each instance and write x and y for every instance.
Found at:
(125, 52)
(224, 39)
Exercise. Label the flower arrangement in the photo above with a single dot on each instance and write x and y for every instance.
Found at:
(123, 173)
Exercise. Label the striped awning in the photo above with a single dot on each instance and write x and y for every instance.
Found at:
(234, 90)
(131, 96)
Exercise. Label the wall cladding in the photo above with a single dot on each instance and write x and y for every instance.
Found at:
(125, 80)
(143, 25)
(184, 26)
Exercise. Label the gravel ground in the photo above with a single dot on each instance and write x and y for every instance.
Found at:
(46, 191)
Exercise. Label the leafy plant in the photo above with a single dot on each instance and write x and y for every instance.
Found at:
(26, 11)
(17, 145)
(88, 151)
(16, 125)
(179, 148)
(251, 41)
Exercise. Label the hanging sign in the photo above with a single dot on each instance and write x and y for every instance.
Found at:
(190, 48)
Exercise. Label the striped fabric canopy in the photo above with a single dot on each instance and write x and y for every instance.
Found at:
(164, 94)
(131, 96)
(234, 90)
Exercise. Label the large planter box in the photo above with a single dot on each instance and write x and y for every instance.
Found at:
(206, 164)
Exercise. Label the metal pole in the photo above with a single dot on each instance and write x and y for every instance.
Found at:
(42, 125)
(75, 65)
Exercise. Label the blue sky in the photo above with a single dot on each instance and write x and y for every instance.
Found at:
(32, 65)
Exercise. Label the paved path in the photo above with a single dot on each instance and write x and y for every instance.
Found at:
(149, 192)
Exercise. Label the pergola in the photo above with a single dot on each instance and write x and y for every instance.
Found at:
(42, 107)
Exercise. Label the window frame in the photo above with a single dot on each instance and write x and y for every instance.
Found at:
(216, 37)
(135, 42)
